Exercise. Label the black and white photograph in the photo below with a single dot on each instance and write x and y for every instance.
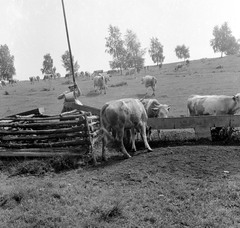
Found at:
(119, 113)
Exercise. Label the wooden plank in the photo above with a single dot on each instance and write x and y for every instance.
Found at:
(39, 132)
(86, 108)
(194, 121)
(36, 111)
(46, 118)
(43, 137)
(78, 150)
(75, 142)
(42, 124)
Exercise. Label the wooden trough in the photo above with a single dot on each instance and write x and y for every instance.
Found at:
(35, 134)
(201, 124)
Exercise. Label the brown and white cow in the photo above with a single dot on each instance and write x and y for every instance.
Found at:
(99, 82)
(213, 105)
(149, 81)
(118, 115)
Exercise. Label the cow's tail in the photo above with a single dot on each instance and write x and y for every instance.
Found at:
(102, 132)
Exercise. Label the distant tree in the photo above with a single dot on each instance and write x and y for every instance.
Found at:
(182, 52)
(7, 69)
(115, 47)
(156, 51)
(224, 42)
(67, 63)
(135, 53)
(47, 64)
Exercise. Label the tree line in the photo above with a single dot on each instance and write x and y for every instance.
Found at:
(127, 52)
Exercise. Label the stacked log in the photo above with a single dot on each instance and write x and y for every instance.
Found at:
(66, 133)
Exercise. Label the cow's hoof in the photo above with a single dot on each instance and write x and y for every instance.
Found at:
(128, 156)
(150, 150)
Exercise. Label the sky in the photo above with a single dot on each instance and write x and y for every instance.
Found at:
(33, 28)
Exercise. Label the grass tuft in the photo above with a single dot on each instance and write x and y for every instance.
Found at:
(109, 214)
(43, 166)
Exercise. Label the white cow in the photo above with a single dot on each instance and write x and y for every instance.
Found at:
(99, 82)
(118, 115)
(149, 81)
(213, 105)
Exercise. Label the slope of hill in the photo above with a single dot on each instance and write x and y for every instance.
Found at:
(173, 87)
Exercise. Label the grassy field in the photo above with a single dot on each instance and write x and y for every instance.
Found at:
(174, 186)
(173, 87)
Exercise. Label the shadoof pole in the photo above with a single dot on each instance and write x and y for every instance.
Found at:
(69, 46)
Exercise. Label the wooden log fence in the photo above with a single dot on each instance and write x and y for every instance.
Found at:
(37, 135)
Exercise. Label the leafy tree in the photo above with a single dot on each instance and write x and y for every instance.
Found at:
(7, 69)
(67, 63)
(115, 47)
(47, 64)
(156, 51)
(134, 57)
(182, 52)
(224, 42)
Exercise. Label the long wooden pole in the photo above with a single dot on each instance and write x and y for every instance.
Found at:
(69, 46)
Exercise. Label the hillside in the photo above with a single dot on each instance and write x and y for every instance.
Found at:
(173, 87)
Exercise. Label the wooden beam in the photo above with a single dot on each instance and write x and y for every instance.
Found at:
(194, 121)
(42, 124)
(48, 144)
(40, 132)
(36, 111)
(44, 137)
(86, 108)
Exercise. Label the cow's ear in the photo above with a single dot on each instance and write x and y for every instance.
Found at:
(234, 98)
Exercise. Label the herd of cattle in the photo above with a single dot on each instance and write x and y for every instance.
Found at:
(132, 114)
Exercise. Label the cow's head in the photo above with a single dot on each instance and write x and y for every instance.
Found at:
(161, 110)
(237, 97)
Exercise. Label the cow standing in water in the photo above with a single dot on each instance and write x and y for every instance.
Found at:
(213, 105)
(150, 81)
(118, 115)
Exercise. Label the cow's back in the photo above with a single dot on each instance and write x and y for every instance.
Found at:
(211, 105)
(124, 113)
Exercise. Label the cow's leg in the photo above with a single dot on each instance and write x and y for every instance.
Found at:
(120, 135)
(153, 94)
(133, 139)
(143, 133)
(104, 158)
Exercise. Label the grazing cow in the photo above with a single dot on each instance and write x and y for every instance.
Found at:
(87, 75)
(32, 79)
(213, 105)
(123, 114)
(178, 66)
(131, 71)
(12, 81)
(100, 83)
(149, 81)
(155, 110)
(47, 77)
(3, 83)
(37, 78)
